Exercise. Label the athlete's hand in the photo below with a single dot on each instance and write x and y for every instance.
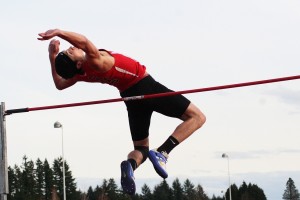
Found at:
(48, 34)
(54, 47)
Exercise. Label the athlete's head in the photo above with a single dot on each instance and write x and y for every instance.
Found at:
(65, 66)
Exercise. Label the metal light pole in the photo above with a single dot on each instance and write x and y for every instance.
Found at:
(226, 156)
(59, 125)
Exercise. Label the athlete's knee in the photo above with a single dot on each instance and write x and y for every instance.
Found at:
(144, 151)
(201, 119)
(193, 113)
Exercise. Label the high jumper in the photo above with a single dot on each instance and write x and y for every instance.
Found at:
(85, 62)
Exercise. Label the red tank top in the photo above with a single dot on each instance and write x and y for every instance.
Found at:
(125, 73)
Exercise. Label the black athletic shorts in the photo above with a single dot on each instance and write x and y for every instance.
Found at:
(140, 111)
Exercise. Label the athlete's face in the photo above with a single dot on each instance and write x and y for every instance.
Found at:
(75, 54)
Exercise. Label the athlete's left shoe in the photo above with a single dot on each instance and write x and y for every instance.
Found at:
(127, 178)
(159, 161)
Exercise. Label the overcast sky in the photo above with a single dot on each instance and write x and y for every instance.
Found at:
(184, 45)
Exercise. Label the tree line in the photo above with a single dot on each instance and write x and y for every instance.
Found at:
(41, 181)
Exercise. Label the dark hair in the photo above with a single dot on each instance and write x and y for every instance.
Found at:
(65, 66)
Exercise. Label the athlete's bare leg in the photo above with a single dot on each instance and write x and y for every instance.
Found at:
(193, 119)
(137, 155)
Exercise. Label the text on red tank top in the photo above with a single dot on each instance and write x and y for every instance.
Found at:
(125, 73)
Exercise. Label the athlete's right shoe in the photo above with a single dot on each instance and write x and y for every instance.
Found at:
(127, 178)
(159, 161)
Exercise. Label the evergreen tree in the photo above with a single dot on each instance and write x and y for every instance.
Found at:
(18, 183)
(30, 183)
(146, 193)
(189, 190)
(91, 194)
(251, 191)
(58, 177)
(70, 184)
(97, 192)
(40, 179)
(134, 197)
(124, 196)
(256, 192)
(103, 189)
(112, 189)
(291, 192)
(48, 180)
(217, 198)
(200, 193)
(234, 192)
(162, 191)
(28, 180)
(177, 190)
(11, 183)
(243, 193)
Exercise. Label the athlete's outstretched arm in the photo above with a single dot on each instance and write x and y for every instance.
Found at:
(59, 82)
(76, 39)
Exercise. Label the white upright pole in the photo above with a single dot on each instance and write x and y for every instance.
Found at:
(59, 125)
(229, 179)
(63, 159)
(229, 182)
(3, 155)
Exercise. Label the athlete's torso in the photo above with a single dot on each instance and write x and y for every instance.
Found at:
(123, 74)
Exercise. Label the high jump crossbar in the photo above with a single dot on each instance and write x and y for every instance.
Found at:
(148, 96)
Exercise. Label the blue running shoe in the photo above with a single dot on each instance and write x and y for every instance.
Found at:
(127, 178)
(159, 161)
